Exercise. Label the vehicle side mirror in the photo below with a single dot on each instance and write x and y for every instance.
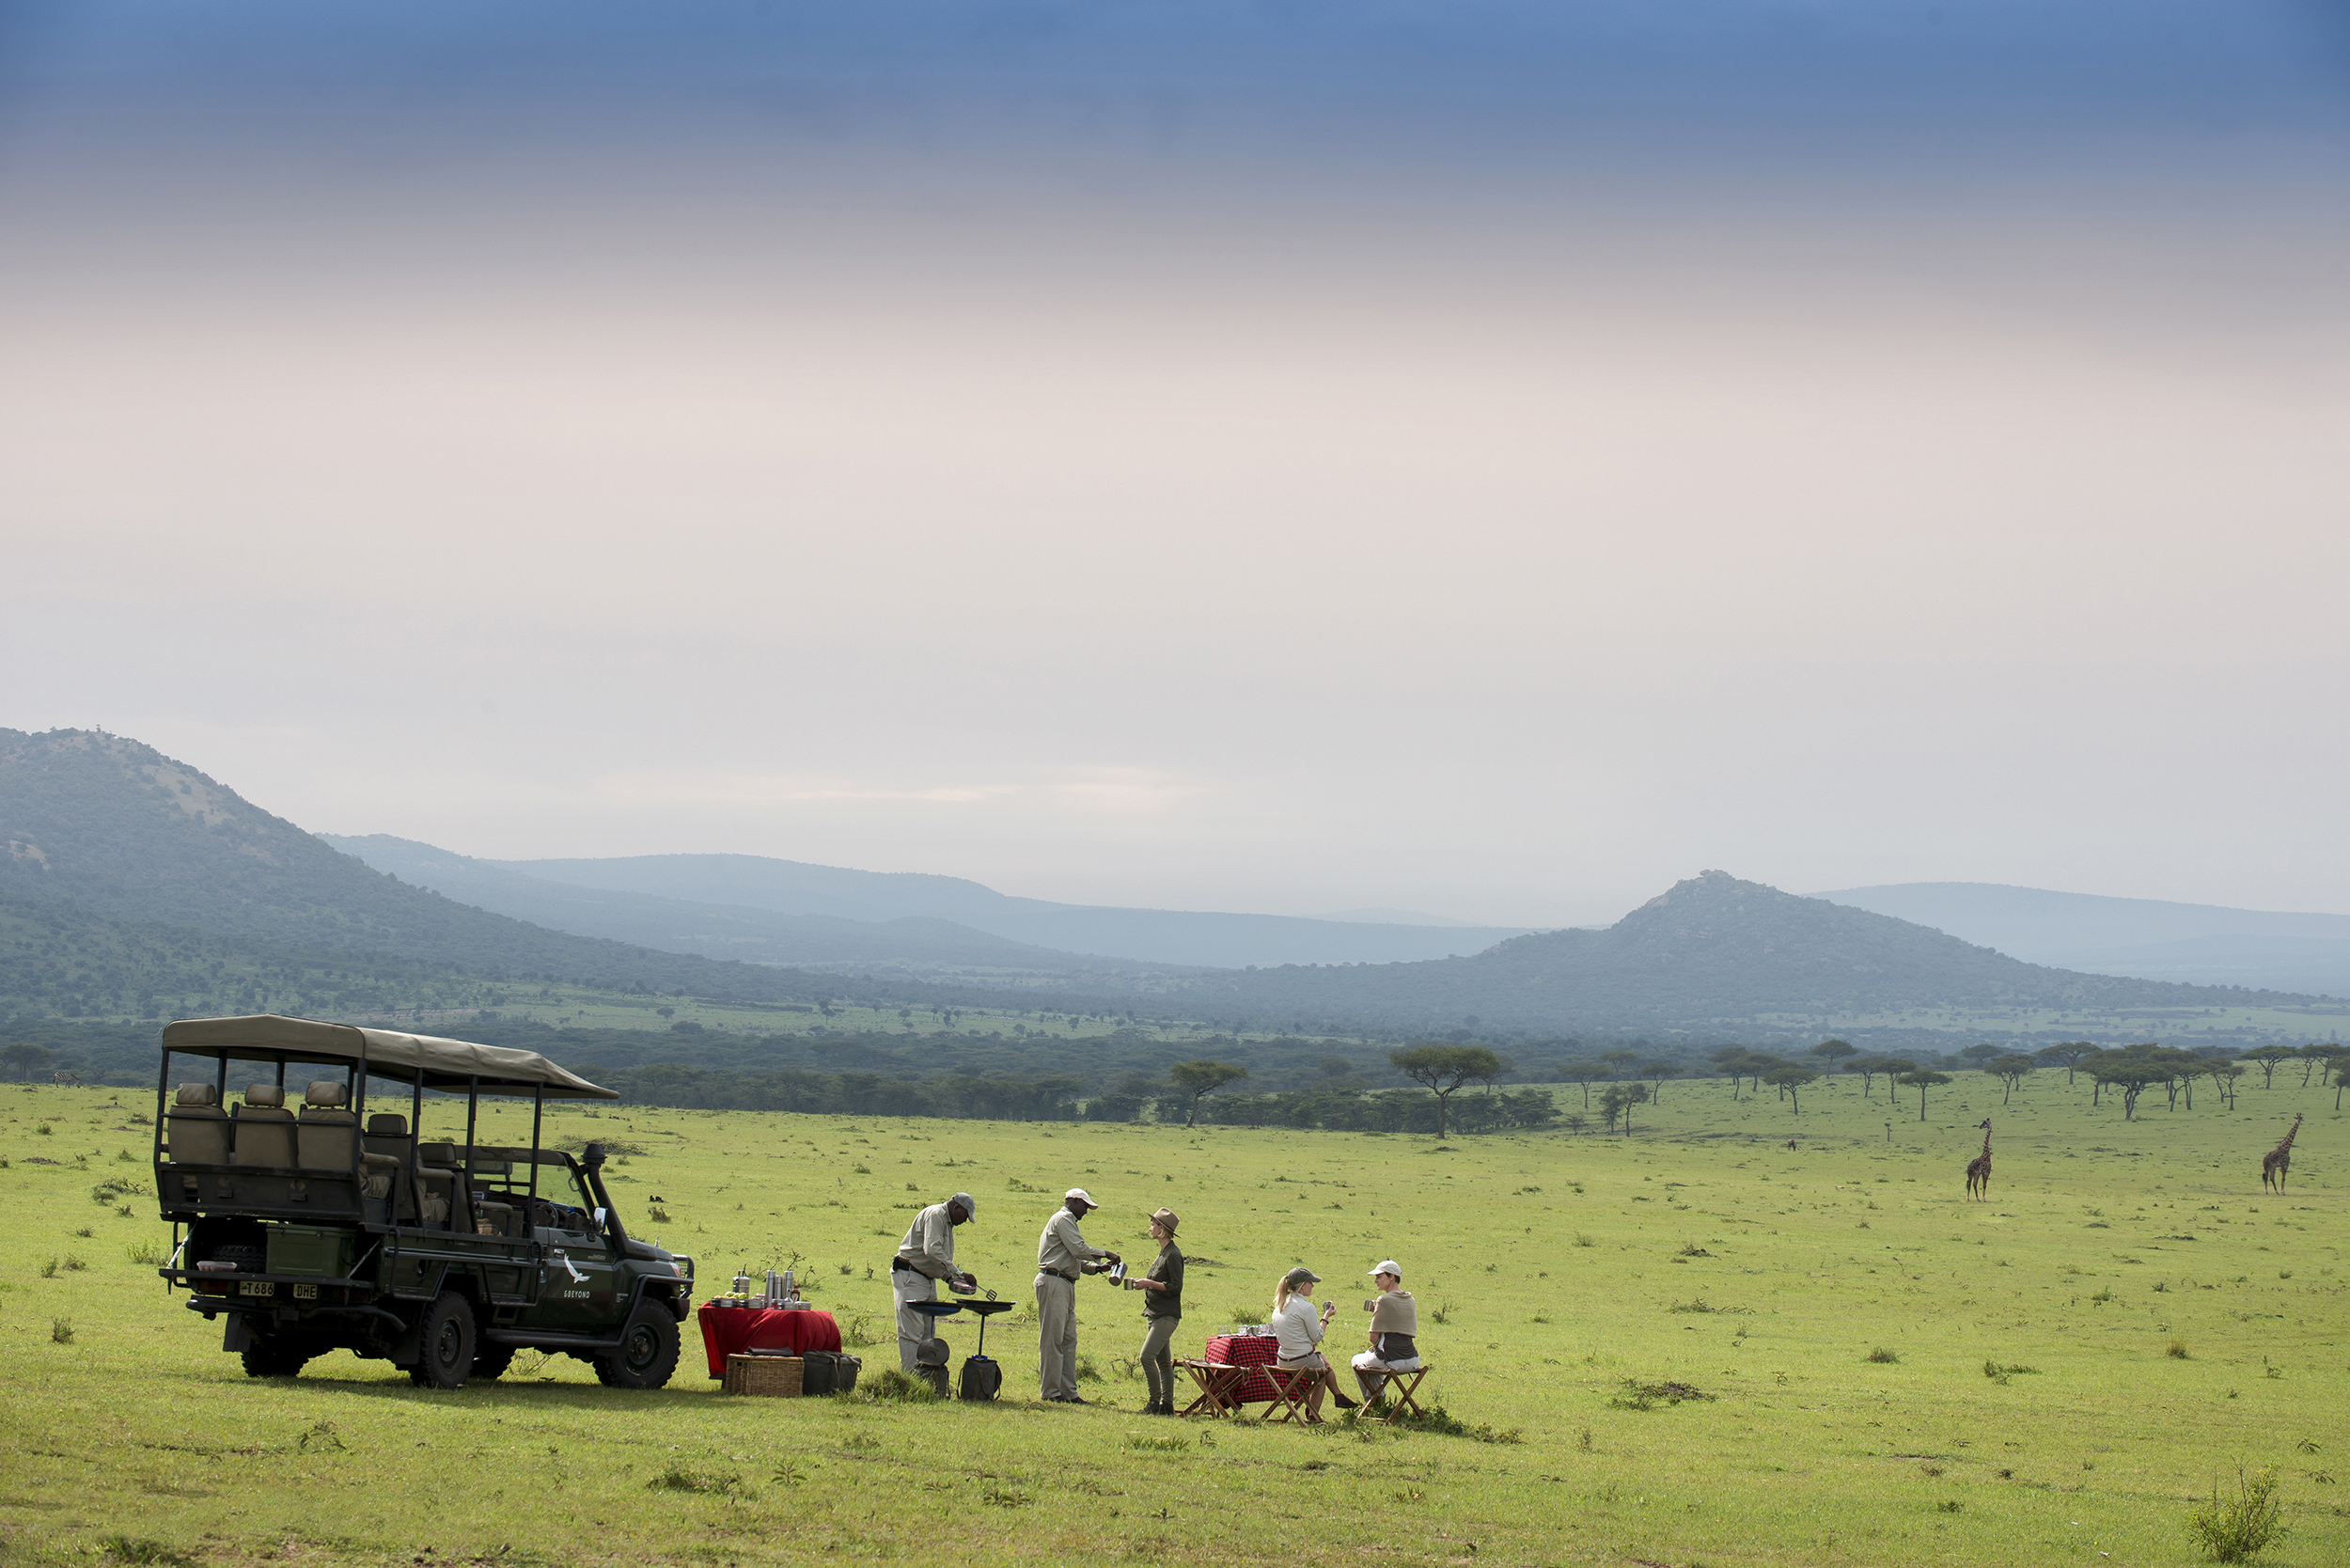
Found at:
(602, 1215)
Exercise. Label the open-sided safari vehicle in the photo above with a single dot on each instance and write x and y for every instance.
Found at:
(344, 1228)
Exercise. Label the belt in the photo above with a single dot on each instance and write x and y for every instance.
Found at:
(1057, 1274)
(898, 1265)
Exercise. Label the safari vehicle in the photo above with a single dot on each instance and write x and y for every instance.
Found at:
(343, 1228)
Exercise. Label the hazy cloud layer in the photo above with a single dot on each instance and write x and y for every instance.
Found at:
(1491, 460)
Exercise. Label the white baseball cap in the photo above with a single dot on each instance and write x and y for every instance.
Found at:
(964, 1201)
(1081, 1196)
(1390, 1266)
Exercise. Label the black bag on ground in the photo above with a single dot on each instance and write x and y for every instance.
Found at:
(844, 1370)
(982, 1377)
(818, 1373)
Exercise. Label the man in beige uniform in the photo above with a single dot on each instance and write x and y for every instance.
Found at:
(1062, 1255)
(926, 1256)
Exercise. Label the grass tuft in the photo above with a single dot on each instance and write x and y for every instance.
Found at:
(1647, 1396)
(60, 1331)
(1882, 1356)
(676, 1478)
(2176, 1349)
(148, 1554)
(2239, 1529)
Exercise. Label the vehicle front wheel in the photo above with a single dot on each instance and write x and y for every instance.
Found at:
(445, 1343)
(648, 1352)
(276, 1357)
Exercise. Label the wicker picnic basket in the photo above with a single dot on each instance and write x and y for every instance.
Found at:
(763, 1375)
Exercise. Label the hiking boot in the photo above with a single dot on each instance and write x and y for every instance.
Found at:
(1345, 1403)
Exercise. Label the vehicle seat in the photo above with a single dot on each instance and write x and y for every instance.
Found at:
(438, 1180)
(195, 1131)
(387, 1150)
(265, 1129)
(495, 1219)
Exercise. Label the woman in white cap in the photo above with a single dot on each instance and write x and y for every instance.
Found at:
(1299, 1330)
(1394, 1330)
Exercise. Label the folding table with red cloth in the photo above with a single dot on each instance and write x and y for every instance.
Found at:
(1225, 1376)
(728, 1330)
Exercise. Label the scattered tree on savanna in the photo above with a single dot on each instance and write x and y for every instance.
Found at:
(1975, 1056)
(1202, 1078)
(24, 1059)
(2009, 1070)
(1834, 1052)
(2069, 1054)
(2129, 1070)
(2268, 1057)
(1789, 1080)
(2223, 1078)
(1618, 1102)
(1924, 1080)
(1656, 1071)
(1583, 1073)
(1893, 1067)
(1443, 1069)
(1618, 1060)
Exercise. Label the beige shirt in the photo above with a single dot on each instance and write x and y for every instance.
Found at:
(1395, 1313)
(1062, 1249)
(929, 1247)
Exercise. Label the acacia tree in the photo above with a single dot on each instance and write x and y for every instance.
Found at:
(1618, 1060)
(2268, 1057)
(2130, 1072)
(1656, 1073)
(1618, 1102)
(1924, 1081)
(1790, 1080)
(1583, 1073)
(24, 1059)
(2009, 1070)
(1202, 1078)
(2068, 1055)
(1833, 1052)
(1894, 1068)
(1975, 1056)
(1443, 1069)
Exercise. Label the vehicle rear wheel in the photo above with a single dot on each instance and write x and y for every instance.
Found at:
(277, 1357)
(492, 1361)
(648, 1352)
(445, 1343)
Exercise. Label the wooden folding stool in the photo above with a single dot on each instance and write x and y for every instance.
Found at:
(1398, 1389)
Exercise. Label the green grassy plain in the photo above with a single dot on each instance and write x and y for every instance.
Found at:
(1700, 1251)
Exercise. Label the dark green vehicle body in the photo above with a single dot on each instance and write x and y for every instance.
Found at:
(339, 1227)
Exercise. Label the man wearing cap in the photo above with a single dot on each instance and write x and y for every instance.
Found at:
(1161, 1310)
(926, 1256)
(1061, 1256)
(1394, 1327)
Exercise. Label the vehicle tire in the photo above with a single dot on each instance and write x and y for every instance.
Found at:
(490, 1361)
(276, 1357)
(445, 1343)
(648, 1352)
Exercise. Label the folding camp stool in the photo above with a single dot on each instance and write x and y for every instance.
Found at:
(1289, 1389)
(1398, 1389)
(1219, 1386)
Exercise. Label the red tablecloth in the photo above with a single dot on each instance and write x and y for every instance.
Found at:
(728, 1329)
(1244, 1350)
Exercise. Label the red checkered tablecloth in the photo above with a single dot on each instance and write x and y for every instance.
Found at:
(1244, 1350)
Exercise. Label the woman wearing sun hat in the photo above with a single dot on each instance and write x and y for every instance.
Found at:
(1394, 1330)
(1162, 1308)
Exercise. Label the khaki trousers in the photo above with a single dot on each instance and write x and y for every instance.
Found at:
(1158, 1359)
(913, 1326)
(1056, 1336)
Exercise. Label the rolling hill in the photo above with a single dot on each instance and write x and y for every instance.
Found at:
(1714, 952)
(2152, 938)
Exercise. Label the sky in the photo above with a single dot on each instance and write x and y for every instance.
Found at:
(1484, 458)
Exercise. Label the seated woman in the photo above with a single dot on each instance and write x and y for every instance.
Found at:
(1394, 1325)
(1299, 1329)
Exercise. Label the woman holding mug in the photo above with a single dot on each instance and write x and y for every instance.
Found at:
(1299, 1329)
(1161, 1310)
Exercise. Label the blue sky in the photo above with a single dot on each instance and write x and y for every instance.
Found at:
(1495, 459)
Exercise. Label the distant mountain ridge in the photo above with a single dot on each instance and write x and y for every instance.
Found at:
(1713, 951)
(1190, 938)
(735, 931)
(2152, 938)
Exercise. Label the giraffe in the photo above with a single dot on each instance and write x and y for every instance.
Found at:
(2279, 1160)
(1979, 1168)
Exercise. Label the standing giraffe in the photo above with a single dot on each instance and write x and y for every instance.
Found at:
(2279, 1160)
(1979, 1168)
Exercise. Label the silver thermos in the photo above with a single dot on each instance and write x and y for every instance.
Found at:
(778, 1288)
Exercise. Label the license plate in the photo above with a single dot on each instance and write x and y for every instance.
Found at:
(256, 1287)
(305, 1293)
